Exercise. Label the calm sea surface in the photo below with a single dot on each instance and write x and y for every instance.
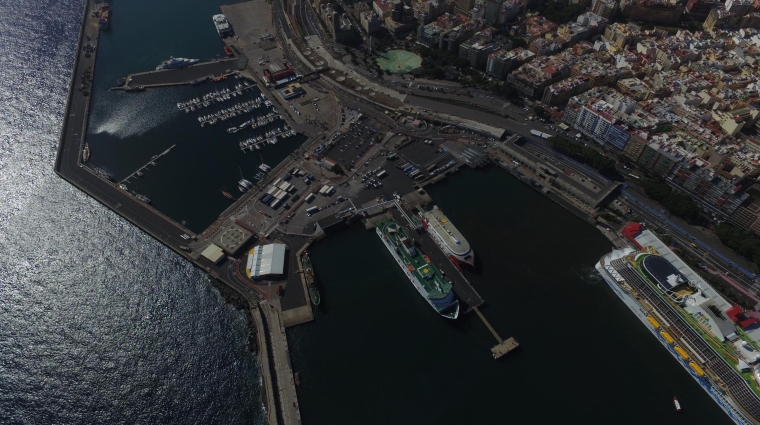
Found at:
(378, 354)
(99, 323)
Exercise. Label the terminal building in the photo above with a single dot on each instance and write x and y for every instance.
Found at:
(266, 261)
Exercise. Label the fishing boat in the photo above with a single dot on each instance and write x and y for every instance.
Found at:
(228, 196)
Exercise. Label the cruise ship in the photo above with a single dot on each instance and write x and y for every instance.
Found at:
(425, 277)
(448, 238)
(223, 27)
(693, 322)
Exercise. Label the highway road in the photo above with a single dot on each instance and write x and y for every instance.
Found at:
(700, 249)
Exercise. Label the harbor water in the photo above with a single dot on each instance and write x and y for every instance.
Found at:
(378, 354)
(100, 324)
(127, 129)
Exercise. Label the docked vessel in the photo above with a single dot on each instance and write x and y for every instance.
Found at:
(447, 237)
(86, 153)
(665, 295)
(223, 27)
(228, 51)
(425, 277)
(228, 196)
(131, 89)
(177, 63)
(244, 185)
(311, 283)
(104, 16)
(199, 81)
(142, 198)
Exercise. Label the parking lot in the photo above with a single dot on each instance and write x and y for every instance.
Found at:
(349, 147)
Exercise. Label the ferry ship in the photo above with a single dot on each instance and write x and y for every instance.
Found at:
(425, 277)
(177, 63)
(223, 27)
(448, 237)
(633, 278)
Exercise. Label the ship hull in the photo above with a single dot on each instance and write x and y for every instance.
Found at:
(412, 278)
(718, 395)
(465, 258)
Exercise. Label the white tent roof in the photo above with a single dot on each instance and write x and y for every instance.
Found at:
(267, 260)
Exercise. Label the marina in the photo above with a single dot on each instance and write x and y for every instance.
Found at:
(217, 96)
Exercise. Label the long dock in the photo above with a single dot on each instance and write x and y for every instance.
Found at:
(151, 162)
(182, 76)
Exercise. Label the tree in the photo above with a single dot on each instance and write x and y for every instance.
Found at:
(337, 169)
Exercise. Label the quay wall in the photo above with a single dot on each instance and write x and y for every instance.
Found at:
(269, 380)
(75, 67)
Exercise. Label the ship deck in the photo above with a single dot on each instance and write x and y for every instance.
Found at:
(426, 273)
(467, 295)
(444, 227)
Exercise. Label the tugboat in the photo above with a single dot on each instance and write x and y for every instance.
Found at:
(677, 404)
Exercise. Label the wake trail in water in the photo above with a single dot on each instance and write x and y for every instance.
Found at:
(133, 115)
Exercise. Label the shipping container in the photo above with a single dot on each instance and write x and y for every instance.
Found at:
(403, 165)
(420, 177)
(407, 167)
(312, 210)
(287, 177)
(272, 190)
(323, 190)
(310, 177)
(276, 203)
(267, 199)
(381, 174)
(414, 174)
(310, 198)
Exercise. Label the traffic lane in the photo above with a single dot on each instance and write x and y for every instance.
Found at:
(715, 245)
(686, 240)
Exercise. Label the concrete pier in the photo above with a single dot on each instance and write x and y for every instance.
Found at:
(183, 76)
(504, 346)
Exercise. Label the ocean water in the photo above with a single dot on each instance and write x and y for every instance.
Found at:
(99, 323)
